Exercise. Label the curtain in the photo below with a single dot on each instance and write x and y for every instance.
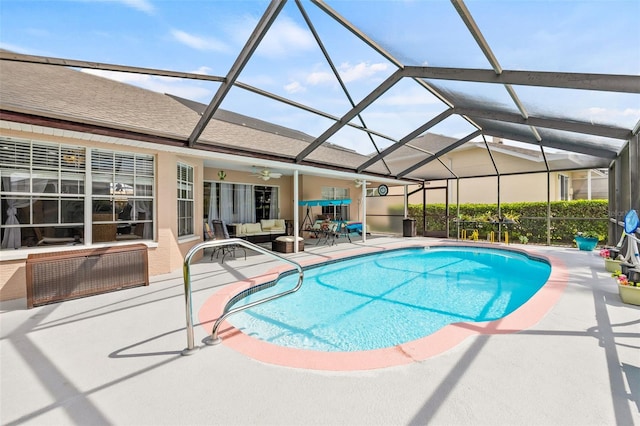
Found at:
(213, 205)
(13, 236)
(226, 203)
(245, 204)
(273, 204)
(145, 207)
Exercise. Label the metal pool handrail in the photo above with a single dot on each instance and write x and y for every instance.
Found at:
(186, 270)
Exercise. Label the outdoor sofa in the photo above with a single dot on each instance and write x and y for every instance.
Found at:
(262, 232)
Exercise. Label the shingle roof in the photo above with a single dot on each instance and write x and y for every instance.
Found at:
(59, 92)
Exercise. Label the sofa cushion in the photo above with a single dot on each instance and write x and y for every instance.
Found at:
(267, 224)
(251, 228)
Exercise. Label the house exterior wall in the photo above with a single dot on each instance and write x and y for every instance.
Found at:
(516, 188)
(166, 251)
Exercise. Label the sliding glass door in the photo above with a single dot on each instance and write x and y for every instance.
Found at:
(240, 203)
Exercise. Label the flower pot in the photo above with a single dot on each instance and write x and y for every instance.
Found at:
(628, 294)
(612, 265)
(586, 243)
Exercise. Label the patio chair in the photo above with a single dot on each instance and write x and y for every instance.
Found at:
(220, 233)
(331, 232)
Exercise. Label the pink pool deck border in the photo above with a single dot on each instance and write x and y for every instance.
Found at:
(421, 349)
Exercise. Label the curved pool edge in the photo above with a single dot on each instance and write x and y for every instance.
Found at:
(437, 343)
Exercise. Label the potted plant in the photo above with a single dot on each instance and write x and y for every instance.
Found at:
(629, 290)
(611, 263)
(587, 240)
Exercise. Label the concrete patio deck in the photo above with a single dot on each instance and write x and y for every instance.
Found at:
(115, 359)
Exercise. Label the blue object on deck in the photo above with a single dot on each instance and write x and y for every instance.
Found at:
(354, 227)
(312, 203)
(631, 222)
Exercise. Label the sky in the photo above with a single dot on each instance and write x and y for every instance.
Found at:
(206, 36)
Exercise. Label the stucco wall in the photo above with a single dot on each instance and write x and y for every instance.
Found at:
(166, 253)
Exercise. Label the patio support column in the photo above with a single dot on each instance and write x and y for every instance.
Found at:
(424, 207)
(296, 212)
(363, 195)
(458, 208)
(499, 210)
(446, 210)
(634, 173)
(406, 201)
(548, 208)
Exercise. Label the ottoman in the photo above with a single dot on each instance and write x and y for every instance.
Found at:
(285, 244)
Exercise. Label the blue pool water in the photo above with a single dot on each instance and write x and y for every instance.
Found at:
(381, 300)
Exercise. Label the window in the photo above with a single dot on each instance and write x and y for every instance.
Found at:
(42, 193)
(564, 187)
(336, 212)
(46, 186)
(239, 203)
(185, 200)
(266, 201)
(122, 202)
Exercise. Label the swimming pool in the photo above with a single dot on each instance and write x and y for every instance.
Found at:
(394, 297)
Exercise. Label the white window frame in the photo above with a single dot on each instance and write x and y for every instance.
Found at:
(185, 200)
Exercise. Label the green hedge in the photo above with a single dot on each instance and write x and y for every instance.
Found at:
(567, 218)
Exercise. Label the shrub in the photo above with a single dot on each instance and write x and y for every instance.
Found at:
(566, 218)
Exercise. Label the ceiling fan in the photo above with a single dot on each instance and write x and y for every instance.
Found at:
(266, 174)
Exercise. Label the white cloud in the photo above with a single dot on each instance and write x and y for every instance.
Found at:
(320, 77)
(202, 70)
(285, 37)
(348, 73)
(614, 116)
(631, 112)
(157, 84)
(142, 5)
(294, 87)
(416, 96)
(360, 71)
(199, 43)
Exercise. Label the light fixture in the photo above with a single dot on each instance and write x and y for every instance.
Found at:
(266, 174)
